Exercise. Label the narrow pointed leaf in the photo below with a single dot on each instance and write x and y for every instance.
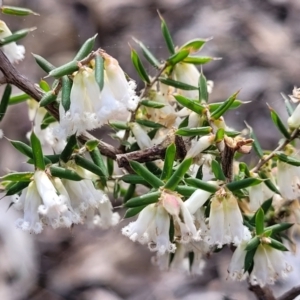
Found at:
(64, 173)
(199, 60)
(99, 70)
(134, 179)
(47, 98)
(88, 165)
(23, 148)
(243, 167)
(217, 170)
(139, 66)
(152, 104)
(43, 63)
(184, 122)
(219, 135)
(37, 152)
(259, 222)
(131, 212)
(129, 193)
(265, 207)
(44, 86)
(253, 243)
(288, 105)
(277, 245)
(177, 84)
(98, 160)
(279, 227)
(16, 188)
(119, 125)
(110, 166)
(17, 11)
(153, 168)
(248, 262)
(279, 124)
(224, 107)
(242, 184)
(69, 148)
(66, 92)
(169, 161)
(186, 131)
(148, 55)
(15, 36)
(269, 183)
(179, 173)
(5, 100)
(17, 176)
(91, 145)
(185, 190)
(18, 98)
(288, 159)
(202, 85)
(116, 190)
(235, 104)
(143, 199)
(194, 45)
(47, 120)
(177, 57)
(190, 104)
(256, 145)
(202, 185)
(167, 36)
(86, 48)
(65, 69)
(149, 123)
(146, 174)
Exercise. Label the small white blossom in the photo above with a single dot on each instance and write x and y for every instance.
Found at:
(236, 266)
(141, 136)
(203, 143)
(14, 52)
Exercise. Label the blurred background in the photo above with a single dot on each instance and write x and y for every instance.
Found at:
(259, 42)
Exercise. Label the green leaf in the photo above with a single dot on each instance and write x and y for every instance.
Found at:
(131, 212)
(166, 34)
(152, 104)
(177, 57)
(288, 105)
(16, 188)
(65, 69)
(288, 159)
(15, 36)
(143, 199)
(242, 184)
(199, 174)
(99, 70)
(184, 122)
(47, 120)
(43, 63)
(194, 45)
(17, 11)
(224, 107)
(134, 179)
(277, 245)
(199, 60)
(110, 166)
(256, 145)
(279, 227)
(217, 170)
(177, 84)
(177, 176)
(219, 135)
(64, 173)
(44, 86)
(119, 125)
(232, 133)
(190, 104)
(236, 103)
(185, 190)
(98, 160)
(269, 183)
(278, 123)
(5, 101)
(89, 165)
(202, 185)
(18, 98)
(186, 131)
(169, 161)
(153, 168)
(148, 55)
(37, 152)
(265, 207)
(146, 174)
(48, 98)
(86, 48)
(139, 66)
(66, 92)
(17, 176)
(148, 123)
(116, 190)
(202, 86)
(253, 243)
(23, 148)
(129, 193)
(91, 145)
(248, 262)
(243, 168)
(259, 221)
(69, 148)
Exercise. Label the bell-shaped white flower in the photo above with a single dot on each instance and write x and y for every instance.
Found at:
(141, 136)
(14, 52)
(203, 143)
(288, 180)
(236, 266)
(294, 120)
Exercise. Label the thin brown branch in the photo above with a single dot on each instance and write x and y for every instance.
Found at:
(291, 294)
(3, 80)
(264, 293)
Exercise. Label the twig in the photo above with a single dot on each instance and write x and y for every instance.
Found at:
(265, 159)
(264, 293)
(3, 80)
(291, 294)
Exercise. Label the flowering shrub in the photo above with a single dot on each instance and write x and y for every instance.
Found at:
(181, 166)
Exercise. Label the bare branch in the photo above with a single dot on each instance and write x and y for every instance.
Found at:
(264, 293)
(291, 294)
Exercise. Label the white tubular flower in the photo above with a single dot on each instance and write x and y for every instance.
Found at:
(203, 143)
(85, 94)
(288, 180)
(258, 194)
(225, 220)
(142, 138)
(14, 52)
(30, 201)
(53, 207)
(294, 120)
(236, 266)
(269, 266)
